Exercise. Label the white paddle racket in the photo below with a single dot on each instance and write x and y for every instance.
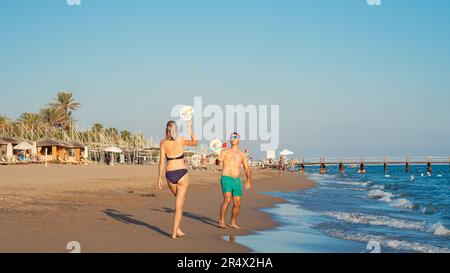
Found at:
(186, 113)
(216, 146)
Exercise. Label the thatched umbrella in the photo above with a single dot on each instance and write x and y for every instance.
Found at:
(18, 140)
(9, 140)
(23, 146)
(57, 147)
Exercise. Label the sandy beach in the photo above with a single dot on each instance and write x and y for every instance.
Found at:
(118, 209)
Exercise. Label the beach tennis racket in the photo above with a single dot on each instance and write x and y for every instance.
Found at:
(216, 146)
(186, 113)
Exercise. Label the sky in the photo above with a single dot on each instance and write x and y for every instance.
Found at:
(350, 79)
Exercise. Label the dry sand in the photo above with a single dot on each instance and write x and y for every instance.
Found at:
(119, 209)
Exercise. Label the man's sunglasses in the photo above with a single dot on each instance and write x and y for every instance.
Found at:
(235, 137)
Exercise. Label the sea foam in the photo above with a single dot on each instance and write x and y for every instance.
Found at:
(358, 218)
(391, 243)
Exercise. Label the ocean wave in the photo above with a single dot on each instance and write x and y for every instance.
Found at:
(354, 183)
(380, 187)
(403, 203)
(357, 218)
(428, 210)
(380, 194)
(439, 229)
(391, 243)
(355, 189)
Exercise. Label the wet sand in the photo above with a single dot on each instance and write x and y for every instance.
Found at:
(118, 209)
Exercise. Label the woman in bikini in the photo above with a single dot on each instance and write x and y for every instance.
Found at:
(172, 151)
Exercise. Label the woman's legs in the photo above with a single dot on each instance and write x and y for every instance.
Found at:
(180, 196)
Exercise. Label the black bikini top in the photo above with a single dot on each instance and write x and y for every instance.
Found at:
(176, 158)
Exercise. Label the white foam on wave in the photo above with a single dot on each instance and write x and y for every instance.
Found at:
(402, 203)
(355, 189)
(391, 243)
(353, 183)
(380, 194)
(358, 218)
(439, 229)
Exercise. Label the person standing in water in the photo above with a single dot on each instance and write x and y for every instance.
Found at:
(232, 160)
(292, 166)
(172, 151)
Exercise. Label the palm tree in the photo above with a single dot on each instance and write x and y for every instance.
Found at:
(125, 135)
(52, 117)
(66, 104)
(97, 127)
(30, 119)
(4, 122)
(113, 131)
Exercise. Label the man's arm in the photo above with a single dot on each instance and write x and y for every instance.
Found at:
(248, 172)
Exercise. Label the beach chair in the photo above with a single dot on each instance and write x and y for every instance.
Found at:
(60, 160)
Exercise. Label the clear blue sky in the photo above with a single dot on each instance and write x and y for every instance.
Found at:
(350, 79)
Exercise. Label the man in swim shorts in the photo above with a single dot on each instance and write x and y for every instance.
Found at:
(232, 160)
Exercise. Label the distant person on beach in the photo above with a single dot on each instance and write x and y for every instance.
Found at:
(232, 160)
(282, 165)
(172, 150)
(301, 170)
(292, 166)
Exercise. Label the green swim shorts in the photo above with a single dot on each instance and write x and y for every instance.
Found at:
(233, 185)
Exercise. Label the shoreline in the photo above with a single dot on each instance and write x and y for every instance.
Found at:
(117, 209)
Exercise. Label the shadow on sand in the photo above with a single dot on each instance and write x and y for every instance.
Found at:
(194, 216)
(128, 219)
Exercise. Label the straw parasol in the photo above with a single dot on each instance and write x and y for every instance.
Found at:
(2, 142)
(24, 146)
(18, 140)
(75, 144)
(9, 140)
(49, 142)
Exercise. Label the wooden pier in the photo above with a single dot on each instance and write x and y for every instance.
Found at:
(362, 162)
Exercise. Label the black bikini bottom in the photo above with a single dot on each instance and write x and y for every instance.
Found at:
(175, 176)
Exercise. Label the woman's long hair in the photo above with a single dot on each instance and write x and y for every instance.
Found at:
(171, 131)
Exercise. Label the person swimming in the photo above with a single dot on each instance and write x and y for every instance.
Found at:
(176, 171)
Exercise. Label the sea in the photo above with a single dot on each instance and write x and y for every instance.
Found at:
(397, 212)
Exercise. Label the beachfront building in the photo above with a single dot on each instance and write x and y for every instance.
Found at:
(22, 148)
(75, 151)
(53, 149)
(3, 149)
